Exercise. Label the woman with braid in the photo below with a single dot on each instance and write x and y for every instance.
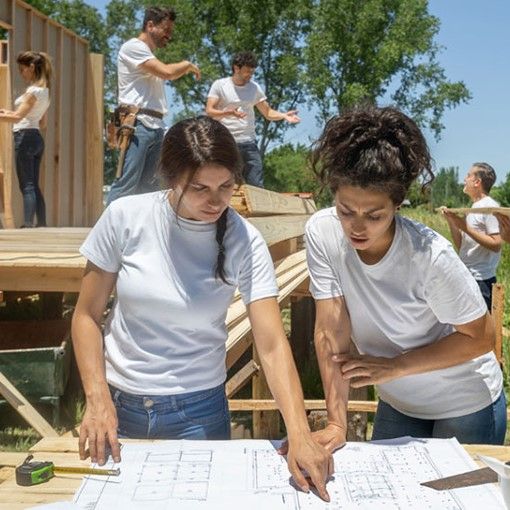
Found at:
(28, 117)
(175, 258)
(398, 290)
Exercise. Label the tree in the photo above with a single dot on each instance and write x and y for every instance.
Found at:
(361, 51)
(210, 32)
(446, 190)
(287, 170)
(501, 193)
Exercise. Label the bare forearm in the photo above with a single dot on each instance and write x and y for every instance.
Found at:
(273, 115)
(283, 381)
(451, 350)
(178, 70)
(456, 235)
(485, 240)
(336, 389)
(88, 348)
(217, 114)
(9, 116)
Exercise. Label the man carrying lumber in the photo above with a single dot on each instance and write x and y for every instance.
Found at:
(477, 236)
(231, 101)
(142, 102)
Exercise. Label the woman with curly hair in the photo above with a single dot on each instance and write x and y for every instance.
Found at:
(398, 290)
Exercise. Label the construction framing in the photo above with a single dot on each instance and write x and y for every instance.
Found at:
(72, 170)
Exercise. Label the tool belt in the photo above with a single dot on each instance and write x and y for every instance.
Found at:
(121, 125)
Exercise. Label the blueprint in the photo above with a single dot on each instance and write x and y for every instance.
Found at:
(250, 474)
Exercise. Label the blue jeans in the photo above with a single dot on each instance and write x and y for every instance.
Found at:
(200, 414)
(29, 148)
(140, 164)
(486, 289)
(487, 426)
(253, 171)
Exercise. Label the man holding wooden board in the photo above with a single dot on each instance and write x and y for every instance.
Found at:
(476, 236)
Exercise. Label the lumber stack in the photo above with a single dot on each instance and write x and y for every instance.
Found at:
(281, 219)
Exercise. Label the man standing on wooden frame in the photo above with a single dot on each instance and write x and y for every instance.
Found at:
(232, 100)
(477, 236)
(141, 81)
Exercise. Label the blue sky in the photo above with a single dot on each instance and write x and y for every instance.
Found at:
(476, 39)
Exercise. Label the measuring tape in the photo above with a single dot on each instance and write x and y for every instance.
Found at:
(33, 473)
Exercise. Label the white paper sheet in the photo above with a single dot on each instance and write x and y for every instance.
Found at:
(249, 474)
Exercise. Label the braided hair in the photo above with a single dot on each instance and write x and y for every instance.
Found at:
(190, 145)
(369, 147)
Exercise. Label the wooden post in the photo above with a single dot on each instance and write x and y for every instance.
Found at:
(302, 321)
(497, 311)
(95, 153)
(266, 424)
(6, 152)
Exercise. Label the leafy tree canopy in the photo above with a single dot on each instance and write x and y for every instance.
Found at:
(364, 51)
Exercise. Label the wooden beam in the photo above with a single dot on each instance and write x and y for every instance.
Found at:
(6, 154)
(24, 408)
(497, 312)
(365, 406)
(237, 341)
(95, 153)
(278, 228)
(236, 382)
(265, 423)
(263, 202)
(477, 210)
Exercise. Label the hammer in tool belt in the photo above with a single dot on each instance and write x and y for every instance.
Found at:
(127, 117)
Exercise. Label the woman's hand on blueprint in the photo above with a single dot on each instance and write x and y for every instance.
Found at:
(99, 427)
(332, 437)
(310, 465)
(367, 370)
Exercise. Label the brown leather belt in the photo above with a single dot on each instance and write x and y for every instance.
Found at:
(150, 113)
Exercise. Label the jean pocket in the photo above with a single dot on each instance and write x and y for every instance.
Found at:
(211, 409)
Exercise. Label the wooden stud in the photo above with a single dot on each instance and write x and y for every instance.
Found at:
(236, 382)
(24, 408)
(497, 313)
(266, 424)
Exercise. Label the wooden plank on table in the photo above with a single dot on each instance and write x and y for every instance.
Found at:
(476, 210)
(366, 406)
(24, 408)
(263, 202)
(236, 382)
(278, 228)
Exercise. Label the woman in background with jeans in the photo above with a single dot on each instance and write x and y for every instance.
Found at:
(28, 117)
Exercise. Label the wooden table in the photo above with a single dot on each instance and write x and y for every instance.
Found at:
(63, 451)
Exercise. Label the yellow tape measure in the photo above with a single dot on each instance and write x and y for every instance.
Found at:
(33, 473)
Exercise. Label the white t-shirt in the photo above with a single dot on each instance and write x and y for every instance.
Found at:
(138, 87)
(479, 260)
(244, 98)
(166, 331)
(409, 299)
(32, 118)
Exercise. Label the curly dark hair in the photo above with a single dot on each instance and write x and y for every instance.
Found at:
(244, 58)
(370, 147)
